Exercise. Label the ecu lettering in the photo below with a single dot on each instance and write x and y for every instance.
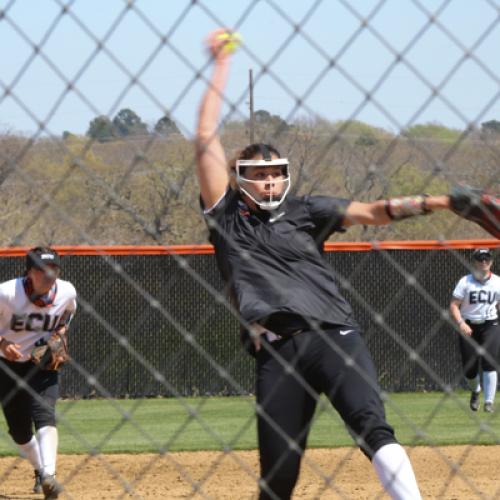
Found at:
(17, 322)
(34, 322)
(481, 297)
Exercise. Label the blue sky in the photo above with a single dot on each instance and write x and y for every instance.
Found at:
(330, 30)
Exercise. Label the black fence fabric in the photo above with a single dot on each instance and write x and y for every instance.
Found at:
(153, 325)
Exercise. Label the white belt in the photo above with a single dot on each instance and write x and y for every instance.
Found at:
(479, 321)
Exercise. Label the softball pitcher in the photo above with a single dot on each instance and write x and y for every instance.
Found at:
(299, 327)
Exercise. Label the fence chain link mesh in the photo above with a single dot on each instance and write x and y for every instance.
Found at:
(158, 327)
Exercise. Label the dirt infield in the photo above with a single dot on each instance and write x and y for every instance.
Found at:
(458, 472)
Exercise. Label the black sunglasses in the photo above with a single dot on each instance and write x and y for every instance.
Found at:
(483, 258)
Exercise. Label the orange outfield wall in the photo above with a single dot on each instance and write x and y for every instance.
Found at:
(208, 249)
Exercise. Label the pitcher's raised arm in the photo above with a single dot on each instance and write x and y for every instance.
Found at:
(211, 161)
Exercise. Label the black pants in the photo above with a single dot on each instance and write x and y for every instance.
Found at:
(25, 407)
(486, 335)
(338, 365)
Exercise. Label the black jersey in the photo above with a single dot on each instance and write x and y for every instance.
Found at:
(272, 262)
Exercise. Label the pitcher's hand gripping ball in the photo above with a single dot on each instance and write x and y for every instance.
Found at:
(53, 354)
(231, 41)
(476, 205)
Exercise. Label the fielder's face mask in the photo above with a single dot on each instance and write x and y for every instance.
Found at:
(271, 201)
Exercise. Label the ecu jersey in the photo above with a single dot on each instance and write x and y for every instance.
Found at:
(479, 299)
(27, 324)
(272, 262)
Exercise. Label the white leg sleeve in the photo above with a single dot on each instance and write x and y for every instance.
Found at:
(490, 386)
(31, 451)
(395, 472)
(48, 441)
(474, 384)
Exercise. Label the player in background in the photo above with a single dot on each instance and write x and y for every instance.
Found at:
(475, 308)
(301, 330)
(32, 308)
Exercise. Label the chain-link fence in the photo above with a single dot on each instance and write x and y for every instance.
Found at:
(417, 313)
(368, 100)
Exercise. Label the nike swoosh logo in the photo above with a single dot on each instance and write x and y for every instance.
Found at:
(274, 219)
(345, 332)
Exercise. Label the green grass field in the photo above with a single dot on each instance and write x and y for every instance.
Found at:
(152, 425)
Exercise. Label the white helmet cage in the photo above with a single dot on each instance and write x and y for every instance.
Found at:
(243, 183)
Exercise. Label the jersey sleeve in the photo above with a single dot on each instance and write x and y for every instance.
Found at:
(219, 207)
(327, 214)
(6, 296)
(460, 289)
(215, 217)
(4, 312)
(71, 306)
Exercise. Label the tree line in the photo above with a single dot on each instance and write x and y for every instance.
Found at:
(140, 188)
(127, 123)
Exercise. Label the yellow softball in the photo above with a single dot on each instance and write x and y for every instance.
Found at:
(232, 41)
